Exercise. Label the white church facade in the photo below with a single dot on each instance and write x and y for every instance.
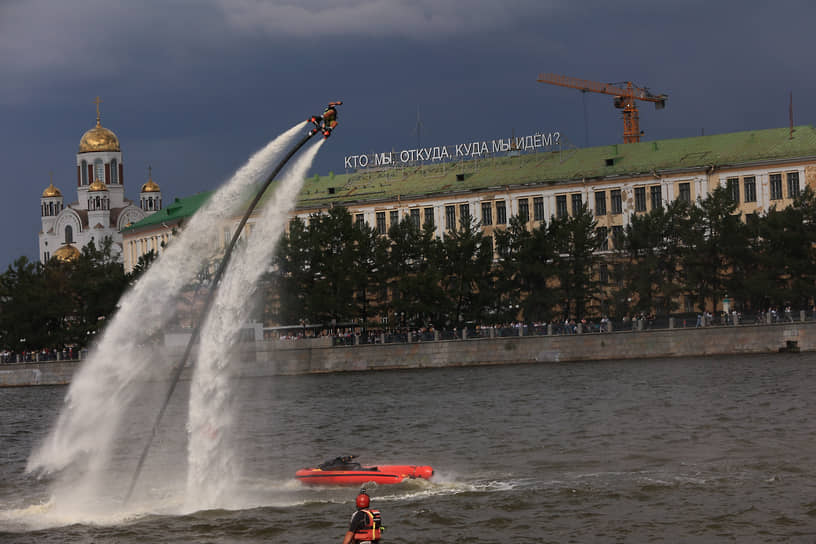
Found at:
(101, 210)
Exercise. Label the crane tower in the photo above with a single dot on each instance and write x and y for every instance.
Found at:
(625, 99)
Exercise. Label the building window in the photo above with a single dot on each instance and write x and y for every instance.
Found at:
(114, 171)
(359, 220)
(749, 189)
(69, 234)
(415, 217)
(655, 194)
(501, 213)
(793, 184)
(487, 214)
(600, 203)
(393, 218)
(429, 217)
(603, 274)
(84, 172)
(603, 236)
(640, 199)
(99, 170)
(732, 185)
(576, 204)
(617, 236)
(615, 201)
(524, 209)
(380, 222)
(538, 208)
(464, 214)
(776, 186)
(685, 192)
(561, 206)
(450, 217)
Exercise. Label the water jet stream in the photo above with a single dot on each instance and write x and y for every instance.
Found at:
(122, 364)
(179, 366)
(212, 466)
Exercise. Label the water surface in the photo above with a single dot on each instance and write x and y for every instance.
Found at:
(675, 450)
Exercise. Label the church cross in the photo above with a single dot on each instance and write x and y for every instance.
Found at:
(97, 102)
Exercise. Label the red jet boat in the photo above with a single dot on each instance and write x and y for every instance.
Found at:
(344, 471)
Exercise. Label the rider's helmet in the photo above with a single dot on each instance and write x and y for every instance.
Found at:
(363, 500)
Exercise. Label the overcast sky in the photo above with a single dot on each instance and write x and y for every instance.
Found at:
(194, 87)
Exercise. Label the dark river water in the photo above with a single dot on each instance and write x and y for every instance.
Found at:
(681, 450)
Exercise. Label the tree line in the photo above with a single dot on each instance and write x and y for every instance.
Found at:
(332, 270)
(682, 256)
(62, 304)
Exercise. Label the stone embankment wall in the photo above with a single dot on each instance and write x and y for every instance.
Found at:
(305, 357)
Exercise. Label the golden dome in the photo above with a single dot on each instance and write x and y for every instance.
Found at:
(51, 191)
(150, 187)
(98, 138)
(97, 186)
(67, 253)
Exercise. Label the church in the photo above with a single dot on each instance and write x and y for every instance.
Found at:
(101, 210)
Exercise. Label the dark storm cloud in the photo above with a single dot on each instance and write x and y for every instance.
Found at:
(193, 87)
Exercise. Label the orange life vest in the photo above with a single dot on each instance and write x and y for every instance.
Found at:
(373, 527)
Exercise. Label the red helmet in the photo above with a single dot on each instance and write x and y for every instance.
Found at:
(363, 500)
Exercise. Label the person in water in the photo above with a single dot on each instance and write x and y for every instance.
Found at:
(366, 523)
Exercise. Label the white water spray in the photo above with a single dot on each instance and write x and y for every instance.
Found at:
(125, 360)
(213, 464)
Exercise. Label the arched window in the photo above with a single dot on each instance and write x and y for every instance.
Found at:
(114, 171)
(96, 207)
(84, 171)
(99, 170)
(50, 208)
(69, 234)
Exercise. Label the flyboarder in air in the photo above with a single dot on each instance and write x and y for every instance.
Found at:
(325, 123)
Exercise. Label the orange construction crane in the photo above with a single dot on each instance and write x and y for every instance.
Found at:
(624, 98)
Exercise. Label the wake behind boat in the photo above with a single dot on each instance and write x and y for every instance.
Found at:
(345, 471)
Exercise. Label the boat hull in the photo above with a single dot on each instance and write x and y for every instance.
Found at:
(381, 474)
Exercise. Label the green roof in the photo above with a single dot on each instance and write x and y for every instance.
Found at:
(661, 156)
(180, 208)
(620, 160)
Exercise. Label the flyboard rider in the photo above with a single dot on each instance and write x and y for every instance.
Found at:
(366, 523)
(325, 123)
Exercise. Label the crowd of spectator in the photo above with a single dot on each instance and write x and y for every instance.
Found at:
(42, 355)
(352, 335)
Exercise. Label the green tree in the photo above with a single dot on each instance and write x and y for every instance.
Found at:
(575, 242)
(141, 266)
(653, 244)
(26, 316)
(292, 278)
(784, 243)
(525, 271)
(331, 239)
(466, 273)
(368, 272)
(714, 243)
(97, 282)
